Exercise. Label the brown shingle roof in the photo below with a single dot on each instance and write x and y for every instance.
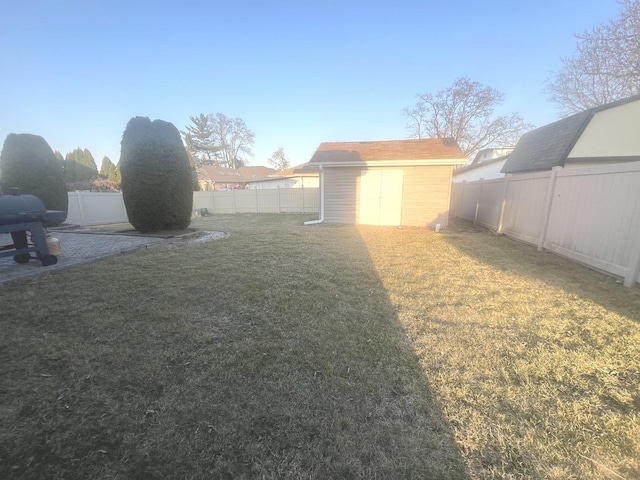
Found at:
(229, 175)
(259, 171)
(423, 149)
(220, 174)
(303, 168)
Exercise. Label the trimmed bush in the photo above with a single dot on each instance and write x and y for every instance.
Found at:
(27, 162)
(156, 176)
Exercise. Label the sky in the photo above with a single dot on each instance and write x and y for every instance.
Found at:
(297, 72)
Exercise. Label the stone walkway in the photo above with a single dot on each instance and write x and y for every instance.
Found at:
(86, 246)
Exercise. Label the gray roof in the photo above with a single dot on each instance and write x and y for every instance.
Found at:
(548, 146)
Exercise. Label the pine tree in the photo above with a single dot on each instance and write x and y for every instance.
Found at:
(28, 163)
(109, 171)
(79, 165)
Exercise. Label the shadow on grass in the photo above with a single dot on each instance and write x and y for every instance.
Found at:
(557, 344)
(511, 256)
(274, 353)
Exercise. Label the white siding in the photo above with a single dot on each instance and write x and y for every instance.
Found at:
(286, 182)
(486, 171)
(611, 133)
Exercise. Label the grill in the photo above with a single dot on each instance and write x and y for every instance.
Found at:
(20, 214)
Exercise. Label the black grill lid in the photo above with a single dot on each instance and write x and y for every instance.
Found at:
(16, 208)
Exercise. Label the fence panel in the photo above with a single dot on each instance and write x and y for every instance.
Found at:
(291, 200)
(311, 200)
(524, 206)
(456, 199)
(245, 201)
(490, 203)
(591, 215)
(264, 200)
(95, 208)
(595, 216)
(468, 200)
(268, 200)
(204, 200)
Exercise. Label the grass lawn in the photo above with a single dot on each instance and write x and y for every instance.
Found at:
(320, 352)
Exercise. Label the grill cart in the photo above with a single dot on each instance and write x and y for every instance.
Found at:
(20, 214)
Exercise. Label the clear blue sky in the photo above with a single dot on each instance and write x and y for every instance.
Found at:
(297, 72)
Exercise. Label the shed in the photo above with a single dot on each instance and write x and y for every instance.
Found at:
(598, 136)
(395, 182)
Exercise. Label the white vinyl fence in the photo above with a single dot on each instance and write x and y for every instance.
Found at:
(591, 215)
(95, 208)
(272, 200)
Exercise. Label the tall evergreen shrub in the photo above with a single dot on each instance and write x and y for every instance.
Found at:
(27, 162)
(156, 176)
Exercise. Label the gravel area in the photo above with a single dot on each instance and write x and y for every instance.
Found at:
(86, 246)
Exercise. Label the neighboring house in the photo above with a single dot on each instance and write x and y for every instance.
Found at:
(253, 173)
(486, 168)
(602, 135)
(397, 182)
(301, 176)
(488, 154)
(221, 178)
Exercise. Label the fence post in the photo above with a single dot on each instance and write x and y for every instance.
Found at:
(213, 201)
(504, 203)
(256, 189)
(464, 184)
(233, 197)
(279, 208)
(83, 220)
(475, 218)
(547, 207)
(124, 208)
(634, 265)
(303, 199)
(634, 268)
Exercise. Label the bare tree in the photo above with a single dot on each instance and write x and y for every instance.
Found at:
(218, 140)
(234, 139)
(279, 160)
(464, 111)
(605, 67)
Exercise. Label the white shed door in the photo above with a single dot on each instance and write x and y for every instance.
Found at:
(380, 197)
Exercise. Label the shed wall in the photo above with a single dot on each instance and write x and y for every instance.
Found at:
(426, 194)
(341, 194)
(425, 198)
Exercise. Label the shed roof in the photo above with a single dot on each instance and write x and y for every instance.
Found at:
(548, 146)
(337, 153)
